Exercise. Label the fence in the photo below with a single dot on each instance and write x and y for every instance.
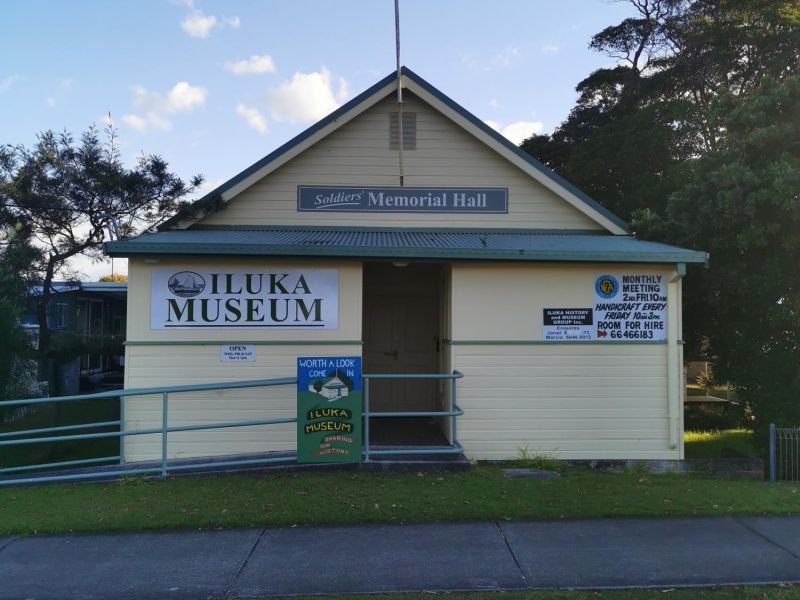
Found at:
(164, 467)
(784, 453)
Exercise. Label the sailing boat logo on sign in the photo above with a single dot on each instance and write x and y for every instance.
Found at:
(186, 284)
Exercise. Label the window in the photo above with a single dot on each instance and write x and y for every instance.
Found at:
(58, 316)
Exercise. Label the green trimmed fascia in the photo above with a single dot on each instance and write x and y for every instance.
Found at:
(500, 138)
(347, 107)
(243, 343)
(133, 248)
(551, 342)
(198, 205)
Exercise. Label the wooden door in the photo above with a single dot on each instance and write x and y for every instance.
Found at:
(401, 334)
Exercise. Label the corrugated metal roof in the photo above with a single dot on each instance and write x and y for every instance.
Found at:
(405, 243)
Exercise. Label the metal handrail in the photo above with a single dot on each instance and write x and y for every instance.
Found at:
(456, 411)
(163, 468)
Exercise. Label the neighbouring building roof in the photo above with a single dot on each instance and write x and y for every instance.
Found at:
(358, 242)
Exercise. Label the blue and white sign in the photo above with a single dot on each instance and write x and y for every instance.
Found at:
(402, 199)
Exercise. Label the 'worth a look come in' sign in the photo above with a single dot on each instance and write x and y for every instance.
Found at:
(329, 409)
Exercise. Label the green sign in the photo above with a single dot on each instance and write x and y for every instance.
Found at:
(329, 409)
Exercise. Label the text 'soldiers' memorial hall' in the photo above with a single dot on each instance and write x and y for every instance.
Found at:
(431, 248)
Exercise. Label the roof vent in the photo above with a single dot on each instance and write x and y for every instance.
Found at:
(409, 131)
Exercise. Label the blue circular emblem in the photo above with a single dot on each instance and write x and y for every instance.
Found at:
(606, 286)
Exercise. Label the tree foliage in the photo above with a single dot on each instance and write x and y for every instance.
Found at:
(16, 258)
(66, 195)
(693, 137)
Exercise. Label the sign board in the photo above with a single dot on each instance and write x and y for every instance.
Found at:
(630, 307)
(329, 409)
(237, 353)
(239, 298)
(568, 324)
(624, 308)
(402, 199)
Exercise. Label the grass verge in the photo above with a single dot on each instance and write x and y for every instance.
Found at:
(346, 497)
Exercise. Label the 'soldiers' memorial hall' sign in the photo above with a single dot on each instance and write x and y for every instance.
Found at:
(402, 199)
(307, 298)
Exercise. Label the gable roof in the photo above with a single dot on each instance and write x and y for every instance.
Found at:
(439, 101)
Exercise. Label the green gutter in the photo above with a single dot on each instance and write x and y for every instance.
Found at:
(133, 248)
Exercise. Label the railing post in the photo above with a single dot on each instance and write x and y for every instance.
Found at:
(164, 425)
(453, 405)
(366, 419)
(772, 451)
(122, 430)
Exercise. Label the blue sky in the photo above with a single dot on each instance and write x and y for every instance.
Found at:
(213, 86)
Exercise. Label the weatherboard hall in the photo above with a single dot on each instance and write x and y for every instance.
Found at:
(407, 240)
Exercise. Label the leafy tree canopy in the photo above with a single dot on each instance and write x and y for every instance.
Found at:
(65, 195)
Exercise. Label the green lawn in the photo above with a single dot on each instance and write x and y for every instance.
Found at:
(719, 444)
(729, 593)
(313, 498)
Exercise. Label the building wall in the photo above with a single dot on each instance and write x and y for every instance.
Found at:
(182, 357)
(358, 154)
(571, 400)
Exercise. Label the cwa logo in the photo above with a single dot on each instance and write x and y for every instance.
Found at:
(186, 284)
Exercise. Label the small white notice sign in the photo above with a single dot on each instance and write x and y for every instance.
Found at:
(237, 353)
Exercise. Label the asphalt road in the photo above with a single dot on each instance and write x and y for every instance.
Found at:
(595, 553)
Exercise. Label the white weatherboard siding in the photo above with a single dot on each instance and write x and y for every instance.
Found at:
(358, 154)
(184, 357)
(570, 400)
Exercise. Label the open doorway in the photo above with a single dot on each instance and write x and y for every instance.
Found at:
(403, 326)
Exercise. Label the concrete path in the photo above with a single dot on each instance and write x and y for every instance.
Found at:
(592, 553)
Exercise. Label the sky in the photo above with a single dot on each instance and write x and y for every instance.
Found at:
(212, 86)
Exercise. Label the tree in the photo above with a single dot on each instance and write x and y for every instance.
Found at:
(68, 194)
(693, 137)
(742, 202)
(114, 277)
(16, 258)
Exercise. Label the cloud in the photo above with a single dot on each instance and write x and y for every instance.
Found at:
(183, 97)
(307, 97)
(550, 48)
(135, 122)
(522, 130)
(51, 102)
(199, 25)
(494, 103)
(516, 132)
(252, 117)
(255, 65)
(5, 84)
